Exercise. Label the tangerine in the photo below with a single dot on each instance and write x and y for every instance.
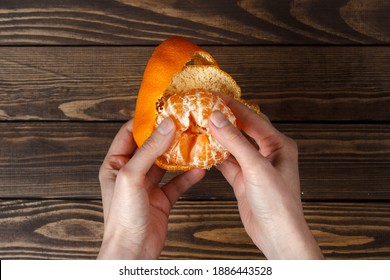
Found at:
(178, 82)
(193, 146)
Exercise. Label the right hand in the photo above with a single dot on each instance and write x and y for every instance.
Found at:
(266, 183)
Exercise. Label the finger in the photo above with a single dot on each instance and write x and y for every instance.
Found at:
(229, 169)
(155, 174)
(121, 148)
(107, 177)
(246, 118)
(268, 138)
(233, 173)
(233, 140)
(265, 117)
(152, 148)
(116, 162)
(123, 143)
(117, 156)
(181, 183)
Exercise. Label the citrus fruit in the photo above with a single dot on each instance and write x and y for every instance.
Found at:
(193, 146)
(179, 81)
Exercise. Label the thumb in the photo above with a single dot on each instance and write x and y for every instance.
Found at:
(234, 141)
(153, 147)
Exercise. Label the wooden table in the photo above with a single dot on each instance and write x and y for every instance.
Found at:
(69, 76)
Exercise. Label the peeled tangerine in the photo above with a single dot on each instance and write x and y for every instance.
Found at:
(193, 146)
(179, 81)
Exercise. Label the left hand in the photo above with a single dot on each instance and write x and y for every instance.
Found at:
(136, 208)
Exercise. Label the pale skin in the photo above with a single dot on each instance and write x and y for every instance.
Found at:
(265, 182)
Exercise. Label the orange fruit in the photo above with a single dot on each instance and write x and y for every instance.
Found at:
(179, 81)
(193, 146)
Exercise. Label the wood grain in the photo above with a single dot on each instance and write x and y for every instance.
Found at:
(135, 22)
(289, 83)
(63, 229)
(343, 231)
(50, 229)
(69, 76)
(339, 162)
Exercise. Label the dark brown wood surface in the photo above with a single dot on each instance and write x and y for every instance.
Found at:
(337, 162)
(289, 83)
(69, 76)
(140, 22)
(72, 229)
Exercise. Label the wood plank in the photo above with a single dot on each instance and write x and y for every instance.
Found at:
(129, 22)
(53, 159)
(343, 231)
(289, 83)
(50, 229)
(63, 229)
(62, 159)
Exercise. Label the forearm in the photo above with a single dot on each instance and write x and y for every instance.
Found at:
(290, 238)
(112, 249)
(112, 252)
(118, 247)
(298, 244)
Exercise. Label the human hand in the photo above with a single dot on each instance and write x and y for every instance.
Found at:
(136, 208)
(265, 180)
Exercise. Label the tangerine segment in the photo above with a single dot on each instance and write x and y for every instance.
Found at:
(193, 146)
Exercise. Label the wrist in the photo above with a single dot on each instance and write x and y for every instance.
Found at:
(116, 246)
(289, 240)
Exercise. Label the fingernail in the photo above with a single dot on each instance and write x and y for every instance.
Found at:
(166, 126)
(218, 119)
